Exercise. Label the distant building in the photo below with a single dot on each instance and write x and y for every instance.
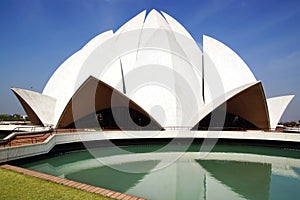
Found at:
(151, 74)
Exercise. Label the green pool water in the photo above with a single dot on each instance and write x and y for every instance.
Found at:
(227, 172)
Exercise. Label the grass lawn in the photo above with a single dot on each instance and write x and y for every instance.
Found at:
(18, 186)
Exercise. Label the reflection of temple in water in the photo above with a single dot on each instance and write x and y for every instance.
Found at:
(222, 175)
(207, 179)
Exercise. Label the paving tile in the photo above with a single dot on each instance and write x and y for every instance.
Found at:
(94, 190)
(49, 178)
(81, 186)
(110, 193)
(115, 195)
(77, 185)
(64, 181)
(99, 190)
(127, 197)
(68, 182)
(85, 187)
(89, 188)
(59, 180)
(121, 196)
(72, 184)
(105, 191)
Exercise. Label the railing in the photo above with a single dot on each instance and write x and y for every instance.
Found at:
(31, 129)
(169, 128)
(292, 129)
(33, 135)
(2, 122)
(177, 128)
(58, 131)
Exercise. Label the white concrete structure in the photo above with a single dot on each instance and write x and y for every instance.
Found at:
(153, 66)
(276, 106)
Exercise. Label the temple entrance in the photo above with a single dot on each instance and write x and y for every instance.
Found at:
(118, 118)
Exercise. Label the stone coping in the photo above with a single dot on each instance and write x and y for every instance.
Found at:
(73, 184)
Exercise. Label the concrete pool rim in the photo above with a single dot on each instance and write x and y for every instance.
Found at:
(63, 142)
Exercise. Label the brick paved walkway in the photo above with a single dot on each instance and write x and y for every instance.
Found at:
(34, 138)
(20, 140)
(73, 184)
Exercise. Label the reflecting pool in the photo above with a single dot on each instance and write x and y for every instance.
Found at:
(228, 172)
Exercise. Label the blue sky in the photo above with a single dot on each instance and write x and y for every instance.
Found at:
(36, 36)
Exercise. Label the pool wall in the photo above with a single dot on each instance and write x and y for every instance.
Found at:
(75, 140)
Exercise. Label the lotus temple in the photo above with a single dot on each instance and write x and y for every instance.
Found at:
(146, 112)
(151, 74)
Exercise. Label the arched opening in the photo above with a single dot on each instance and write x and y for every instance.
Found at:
(118, 118)
(228, 122)
(245, 110)
(96, 104)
